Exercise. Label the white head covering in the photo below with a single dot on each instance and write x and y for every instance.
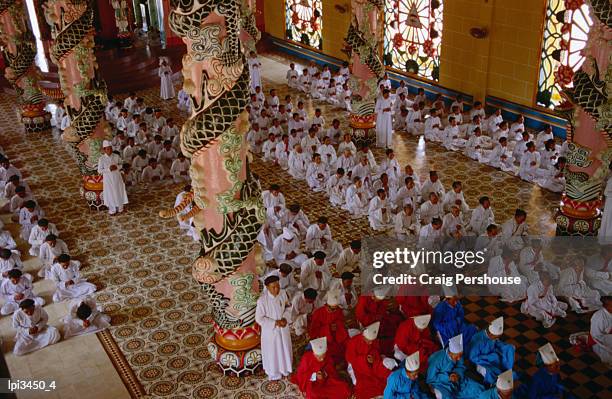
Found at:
(455, 344)
(380, 293)
(497, 326)
(333, 298)
(319, 346)
(547, 352)
(371, 332)
(412, 362)
(449, 291)
(106, 143)
(288, 234)
(505, 381)
(422, 321)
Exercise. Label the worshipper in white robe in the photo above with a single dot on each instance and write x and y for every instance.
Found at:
(38, 234)
(406, 222)
(319, 238)
(430, 236)
(254, 70)
(601, 331)
(598, 270)
(390, 188)
(336, 187)
(16, 202)
(33, 333)
(287, 279)
(10, 260)
(273, 197)
(581, 297)
(302, 306)
(490, 242)
(453, 227)
(303, 83)
(503, 266)
(84, 317)
(67, 277)
(49, 251)
(365, 172)
(604, 235)
(501, 157)
(515, 229)
(530, 162)
(7, 241)
(315, 273)
(298, 163)
(328, 154)
(11, 185)
(531, 261)
(14, 289)
(482, 216)
(543, 136)
(6, 171)
(286, 249)
(432, 185)
(152, 173)
(183, 224)
(414, 121)
(310, 142)
(455, 197)
(165, 158)
(29, 215)
(347, 142)
(541, 302)
(494, 121)
(297, 220)
(180, 169)
(451, 136)
(475, 147)
(316, 174)
(346, 160)
(433, 127)
(350, 258)
(390, 166)
(553, 178)
(292, 76)
(430, 209)
(357, 198)
(165, 75)
(408, 194)
(114, 195)
(384, 123)
(283, 149)
(379, 212)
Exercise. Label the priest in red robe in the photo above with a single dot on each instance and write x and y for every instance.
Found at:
(411, 306)
(317, 376)
(414, 335)
(380, 308)
(328, 321)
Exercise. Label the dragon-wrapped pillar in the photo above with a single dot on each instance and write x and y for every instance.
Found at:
(588, 111)
(227, 206)
(362, 44)
(19, 51)
(84, 89)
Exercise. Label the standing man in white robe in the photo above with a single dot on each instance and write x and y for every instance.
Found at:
(33, 333)
(114, 195)
(165, 75)
(384, 123)
(254, 70)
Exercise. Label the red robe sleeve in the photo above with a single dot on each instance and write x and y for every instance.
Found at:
(367, 312)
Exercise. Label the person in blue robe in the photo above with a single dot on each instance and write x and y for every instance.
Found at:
(546, 382)
(490, 355)
(504, 388)
(449, 321)
(400, 385)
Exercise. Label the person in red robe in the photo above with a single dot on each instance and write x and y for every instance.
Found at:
(413, 335)
(316, 375)
(368, 367)
(377, 307)
(328, 321)
(411, 306)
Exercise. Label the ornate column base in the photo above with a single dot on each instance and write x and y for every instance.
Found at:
(91, 191)
(576, 218)
(35, 118)
(236, 351)
(363, 129)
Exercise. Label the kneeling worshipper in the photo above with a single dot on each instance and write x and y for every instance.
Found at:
(69, 283)
(601, 331)
(490, 355)
(449, 319)
(503, 389)
(412, 304)
(414, 335)
(314, 273)
(33, 333)
(546, 382)
(503, 266)
(319, 238)
(328, 321)
(316, 375)
(84, 317)
(542, 304)
(15, 289)
(404, 382)
(368, 369)
(572, 285)
(446, 373)
(286, 249)
(302, 306)
(273, 314)
(350, 258)
(377, 307)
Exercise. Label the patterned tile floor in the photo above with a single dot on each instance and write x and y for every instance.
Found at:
(160, 320)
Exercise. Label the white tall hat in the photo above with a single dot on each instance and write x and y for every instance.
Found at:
(455, 344)
(333, 298)
(497, 326)
(422, 321)
(106, 143)
(547, 352)
(505, 381)
(288, 233)
(319, 346)
(371, 332)
(412, 362)
(449, 291)
(380, 292)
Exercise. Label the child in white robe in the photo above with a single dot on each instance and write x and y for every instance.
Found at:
(406, 222)
(390, 166)
(430, 209)
(543, 136)
(14, 289)
(33, 333)
(38, 234)
(501, 157)
(530, 163)
(303, 83)
(7, 242)
(384, 123)
(319, 238)
(432, 185)
(298, 163)
(130, 150)
(29, 215)
(482, 216)
(336, 187)
(49, 251)
(302, 305)
(67, 277)
(356, 199)
(455, 197)
(292, 76)
(517, 128)
(139, 162)
(379, 212)
(346, 160)
(310, 142)
(180, 169)
(165, 158)
(84, 317)
(433, 131)
(541, 302)
(581, 297)
(152, 173)
(255, 70)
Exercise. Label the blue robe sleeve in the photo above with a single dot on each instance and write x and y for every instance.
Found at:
(391, 391)
(544, 386)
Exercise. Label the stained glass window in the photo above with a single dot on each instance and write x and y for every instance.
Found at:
(413, 34)
(303, 22)
(566, 29)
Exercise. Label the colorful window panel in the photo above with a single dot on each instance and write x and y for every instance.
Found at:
(566, 29)
(304, 22)
(413, 35)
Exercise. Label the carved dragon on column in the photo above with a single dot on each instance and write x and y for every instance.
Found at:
(227, 207)
(19, 51)
(588, 110)
(361, 43)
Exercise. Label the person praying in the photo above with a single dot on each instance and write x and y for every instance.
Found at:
(84, 317)
(403, 382)
(542, 304)
(328, 321)
(165, 75)
(38, 234)
(449, 319)
(33, 332)
(15, 288)
(546, 382)
(384, 124)
(302, 306)
(490, 355)
(66, 274)
(413, 335)
(114, 196)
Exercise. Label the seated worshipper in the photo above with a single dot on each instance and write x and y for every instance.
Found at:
(432, 208)
(503, 266)
(49, 251)
(453, 229)
(414, 121)
(455, 197)
(518, 128)
(546, 382)
(130, 150)
(449, 319)
(143, 136)
(408, 194)
(368, 369)
(273, 314)
(356, 198)
(379, 212)
(297, 220)
(316, 173)
(501, 157)
(33, 333)
(347, 142)
(452, 140)
(29, 215)
(153, 148)
(314, 273)
(403, 382)
(282, 152)
(319, 238)
(255, 138)
(446, 373)
(433, 127)
(541, 302)
(327, 153)
(553, 178)
(412, 305)
(16, 288)
(16, 202)
(581, 297)
(130, 179)
(514, 230)
(180, 169)
(432, 185)
(414, 335)
(273, 227)
(166, 157)
(7, 241)
(530, 162)
(601, 331)
(292, 76)
(170, 130)
(69, 283)
(119, 142)
(531, 262)
(482, 216)
(475, 147)
(38, 234)
(377, 307)
(298, 163)
(328, 321)
(6, 171)
(502, 131)
(521, 147)
(474, 124)
(364, 171)
(350, 258)
(407, 224)
(152, 173)
(598, 270)
(399, 123)
(490, 355)
(336, 186)
(346, 292)
(302, 306)
(390, 166)
(273, 197)
(503, 389)
(494, 120)
(316, 375)
(84, 317)
(11, 186)
(286, 249)
(431, 235)
(9, 260)
(269, 148)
